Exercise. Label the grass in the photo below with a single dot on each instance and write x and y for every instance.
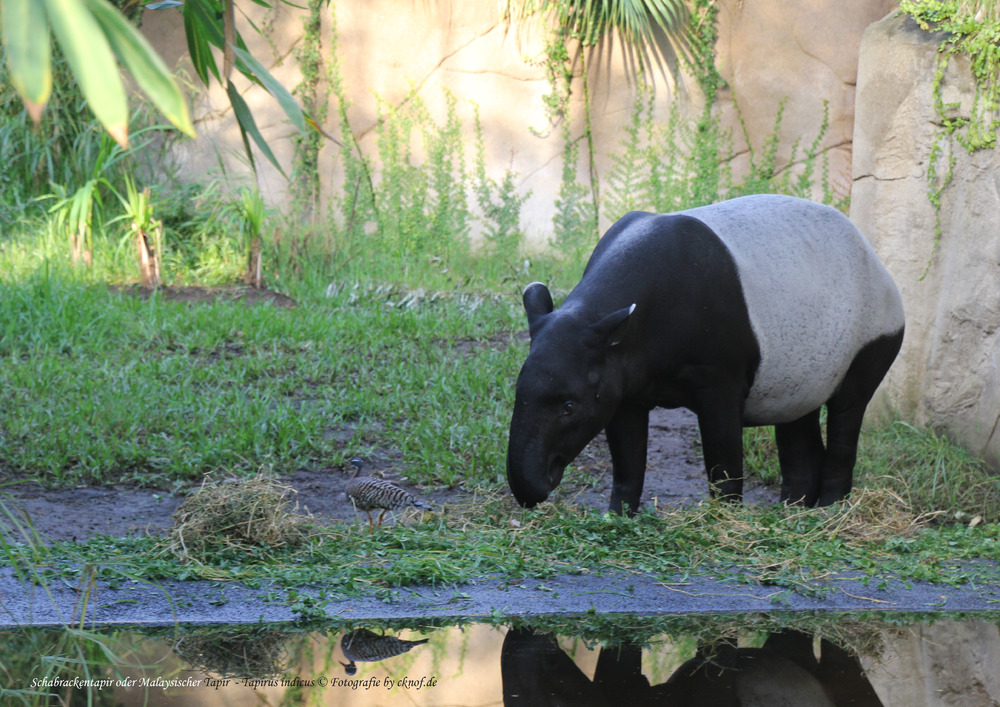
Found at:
(243, 512)
(100, 387)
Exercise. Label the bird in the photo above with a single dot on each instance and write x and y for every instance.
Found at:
(368, 493)
(364, 645)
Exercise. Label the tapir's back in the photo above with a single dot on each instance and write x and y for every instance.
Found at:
(815, 291)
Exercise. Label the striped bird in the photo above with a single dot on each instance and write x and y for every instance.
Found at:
(362, 645)
(368, 494)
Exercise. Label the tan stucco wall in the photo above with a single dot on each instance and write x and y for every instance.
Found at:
(768, 50)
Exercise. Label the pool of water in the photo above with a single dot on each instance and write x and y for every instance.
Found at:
(814, 660)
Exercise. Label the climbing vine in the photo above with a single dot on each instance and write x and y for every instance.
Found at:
(575, 220)
(969, 28)
(311, 91)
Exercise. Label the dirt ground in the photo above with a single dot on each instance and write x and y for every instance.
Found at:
(675, 474)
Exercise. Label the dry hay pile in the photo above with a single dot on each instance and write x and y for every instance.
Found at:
(237, 512)
(875, 515)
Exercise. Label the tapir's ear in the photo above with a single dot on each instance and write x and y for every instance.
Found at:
(612, 328)
(537, 303)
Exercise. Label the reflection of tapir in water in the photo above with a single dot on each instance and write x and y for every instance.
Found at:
(783, 672)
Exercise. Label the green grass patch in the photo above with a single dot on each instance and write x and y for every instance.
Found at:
(103, 387)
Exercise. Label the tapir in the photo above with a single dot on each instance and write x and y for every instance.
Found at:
(755, 311)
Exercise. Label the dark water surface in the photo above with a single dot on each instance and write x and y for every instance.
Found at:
(815, 660)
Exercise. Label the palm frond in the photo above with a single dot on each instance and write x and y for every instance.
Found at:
(636, 21)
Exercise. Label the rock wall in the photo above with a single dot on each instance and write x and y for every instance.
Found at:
(768, 50)
(948, 372)
(946, 664)
(801, 53)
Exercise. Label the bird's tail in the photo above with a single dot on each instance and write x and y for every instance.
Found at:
(422, 505)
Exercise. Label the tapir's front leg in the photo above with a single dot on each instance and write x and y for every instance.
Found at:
(628, 433)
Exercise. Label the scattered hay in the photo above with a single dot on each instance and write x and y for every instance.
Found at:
(237, 512)
(875, 515)
(235, 653)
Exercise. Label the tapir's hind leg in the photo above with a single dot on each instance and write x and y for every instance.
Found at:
(845, 413)
(800, 455)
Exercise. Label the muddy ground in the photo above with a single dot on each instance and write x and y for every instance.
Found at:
(675, 473)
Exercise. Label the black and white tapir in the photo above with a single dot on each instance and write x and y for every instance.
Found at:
(754, 311)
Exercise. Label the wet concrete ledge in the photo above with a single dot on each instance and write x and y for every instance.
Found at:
(201, 602)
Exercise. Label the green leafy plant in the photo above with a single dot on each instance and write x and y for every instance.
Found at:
(500, 205)
(665, 167)
(73, 214)
(252, 214)
(636, 21)
(575, 220)
(76, 208)
(144, 231)
(970, 28)
(94, 37)
(305, 177)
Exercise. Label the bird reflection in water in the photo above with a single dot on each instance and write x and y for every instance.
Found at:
(362, 645)
(784, 671)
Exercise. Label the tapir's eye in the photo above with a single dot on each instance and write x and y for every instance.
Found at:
(568, 407)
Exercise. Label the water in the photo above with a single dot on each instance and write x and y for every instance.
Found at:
(812, 660)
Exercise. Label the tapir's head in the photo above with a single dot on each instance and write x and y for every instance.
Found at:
(567, 391)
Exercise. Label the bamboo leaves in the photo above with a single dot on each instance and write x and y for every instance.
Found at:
(94, 37)
(210, 23)
(96, 40)
(26, 42)
(143, 63)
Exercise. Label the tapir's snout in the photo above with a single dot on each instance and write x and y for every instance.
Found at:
(528, 503)
(533, 487)
(527, 492)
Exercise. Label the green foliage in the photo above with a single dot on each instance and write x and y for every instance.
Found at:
(626, 179)
(701, 60)
(65, 151)
(789, 548)
(356, 203)
(929, 472)
(416, 211)
(156, 391)
(588, 21)
(421, 208)
(970, 28)
(499, 204)
(665, 167)
(973, 30)
(305, 179)
(575, 220)
(94, 37)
